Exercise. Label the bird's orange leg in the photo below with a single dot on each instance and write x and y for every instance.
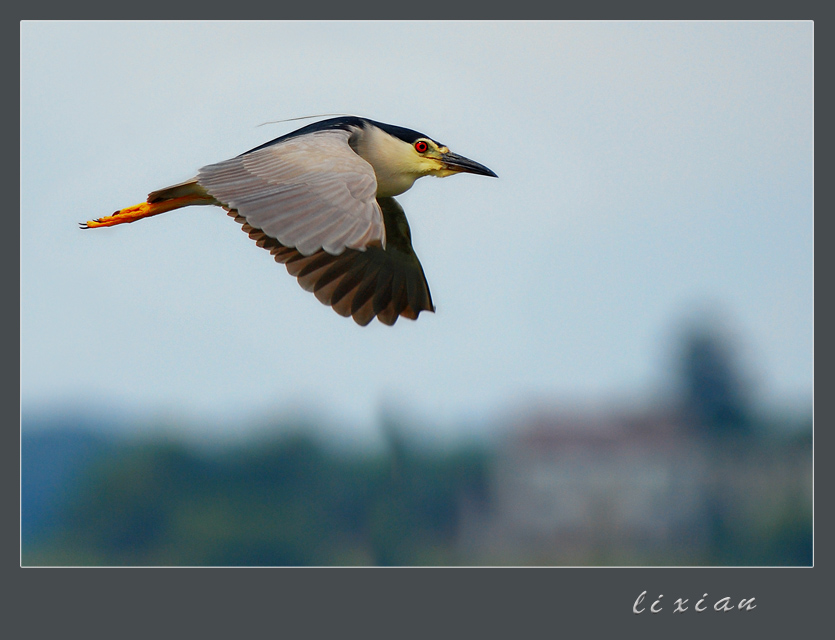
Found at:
(145, 210)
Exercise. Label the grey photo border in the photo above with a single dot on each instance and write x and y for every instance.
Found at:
(412, 602)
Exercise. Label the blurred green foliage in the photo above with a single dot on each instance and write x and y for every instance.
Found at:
(298, 501)
(287, 502)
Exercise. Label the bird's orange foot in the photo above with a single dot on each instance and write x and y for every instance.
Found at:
(146, 210)
(130, 214)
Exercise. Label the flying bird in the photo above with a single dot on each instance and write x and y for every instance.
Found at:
(321, 200)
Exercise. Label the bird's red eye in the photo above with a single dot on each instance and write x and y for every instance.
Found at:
(421, 146)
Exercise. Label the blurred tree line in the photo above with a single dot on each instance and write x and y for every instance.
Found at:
(295, 500)
(291, 501)
(716, 400)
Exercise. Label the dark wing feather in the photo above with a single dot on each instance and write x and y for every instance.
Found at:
(383, 282)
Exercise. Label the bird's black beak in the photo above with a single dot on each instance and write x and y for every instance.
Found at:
(460, 164)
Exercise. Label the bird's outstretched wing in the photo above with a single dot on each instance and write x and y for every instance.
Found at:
(311, 192)
(384, 282)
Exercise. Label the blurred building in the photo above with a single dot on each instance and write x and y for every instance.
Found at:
(632, 488)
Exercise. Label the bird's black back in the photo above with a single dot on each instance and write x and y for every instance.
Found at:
(344, 123)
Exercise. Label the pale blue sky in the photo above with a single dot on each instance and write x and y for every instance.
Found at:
(646, 171)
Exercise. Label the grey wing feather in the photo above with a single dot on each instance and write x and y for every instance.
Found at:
(310, 193)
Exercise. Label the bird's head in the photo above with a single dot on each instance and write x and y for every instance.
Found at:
(400, 156)
(431, 158)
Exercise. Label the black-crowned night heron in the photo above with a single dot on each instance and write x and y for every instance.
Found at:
(320, 199)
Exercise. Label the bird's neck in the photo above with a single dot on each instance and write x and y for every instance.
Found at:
(391, 158)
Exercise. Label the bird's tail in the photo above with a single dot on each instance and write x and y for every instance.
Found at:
(174, 197)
